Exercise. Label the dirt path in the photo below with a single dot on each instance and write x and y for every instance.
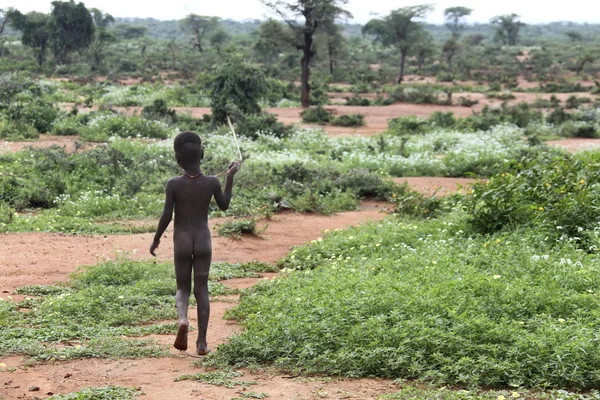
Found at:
(38, 258)
(440, 186)
(576, 144)
(43, 142)
(45, 258)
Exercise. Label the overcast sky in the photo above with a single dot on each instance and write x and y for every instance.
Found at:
(531, 11)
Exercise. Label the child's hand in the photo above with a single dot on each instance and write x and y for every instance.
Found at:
(233, 168)
(154, 246)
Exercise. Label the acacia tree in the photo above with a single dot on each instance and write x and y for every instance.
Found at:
(333, 41)
(507, 28)
(455, 19)
(450, 48)
(3, 22)
(237, 87)
(71, 28)
(34, 27)
(401, 28)
(102, 36)
(424, 49)
(220, 39)
(200, 26)
(273, 39)
(582, 59)
(305, 18)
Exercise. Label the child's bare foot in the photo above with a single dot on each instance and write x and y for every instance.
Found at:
(181, 341)
(202, 349)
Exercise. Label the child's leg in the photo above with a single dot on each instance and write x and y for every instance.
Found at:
(202, 259)
(183, 275)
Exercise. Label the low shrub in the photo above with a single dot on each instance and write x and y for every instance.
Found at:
(357, 101)
(17, 130)
(365, 184)
(252, 125)
(349, 120)
(467, 101)
(575, 102)
(316, 115)
(158, 110)
(235, 228)
(420, 95)
(410, 124)
(6, 213)
(501, 96)
(38, 113)
(554, 193)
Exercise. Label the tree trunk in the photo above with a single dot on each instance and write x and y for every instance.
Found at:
(402, 63)
(173, 52)
(198, 43)
(330, 60)
(305, 63)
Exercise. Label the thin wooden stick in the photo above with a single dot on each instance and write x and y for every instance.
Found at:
(236, 139)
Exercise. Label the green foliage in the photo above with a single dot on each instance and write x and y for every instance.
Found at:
(252, 125)
(17, 131)
(101, 309)
(100, 393)
(37, 113)
(71, 28)
(218, 378)
(575, 102)
(6, 212)
(349, 120)
(312, 201)
(35, 31)
(239, 84)
(475, 310)
(358, 101)
(467, 102)
(235, 228)
(417, 95)
(159, 110)
(551, 193)
(444, 393)
(504, 96)
(316, 115)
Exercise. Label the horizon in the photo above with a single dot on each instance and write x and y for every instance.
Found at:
(362, 11)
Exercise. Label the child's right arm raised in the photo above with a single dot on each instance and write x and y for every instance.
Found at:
(221, 198)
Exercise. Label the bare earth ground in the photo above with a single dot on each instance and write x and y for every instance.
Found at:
(576, 144)
(42, 258)
(439, 186)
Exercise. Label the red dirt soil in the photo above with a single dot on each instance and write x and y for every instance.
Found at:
(42, 258)
(439, 186)
(43, 142)
(576, 144)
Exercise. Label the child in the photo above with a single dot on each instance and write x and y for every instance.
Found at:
(190, 196)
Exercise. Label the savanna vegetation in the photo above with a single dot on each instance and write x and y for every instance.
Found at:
(491, 293)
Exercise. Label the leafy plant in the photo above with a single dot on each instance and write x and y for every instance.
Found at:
(235, 228)
(316, 115)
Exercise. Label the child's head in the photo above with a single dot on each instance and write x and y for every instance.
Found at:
(188, 149)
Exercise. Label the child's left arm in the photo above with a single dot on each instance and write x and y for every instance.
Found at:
(166, 217)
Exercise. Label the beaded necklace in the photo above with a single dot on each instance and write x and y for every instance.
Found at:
(192, 176)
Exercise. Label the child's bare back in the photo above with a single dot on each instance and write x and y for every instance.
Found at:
(189, 196)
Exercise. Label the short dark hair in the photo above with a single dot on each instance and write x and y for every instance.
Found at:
(188, 147)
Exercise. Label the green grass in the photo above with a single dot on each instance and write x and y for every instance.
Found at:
(100, 393)
(427, 300)
(444, 393)
(218, 378)
(104, 311)
(235, 228)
